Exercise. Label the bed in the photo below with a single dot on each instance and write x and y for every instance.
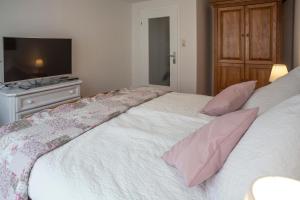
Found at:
(121, 158)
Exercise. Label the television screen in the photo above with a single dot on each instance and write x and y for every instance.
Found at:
(29, 58)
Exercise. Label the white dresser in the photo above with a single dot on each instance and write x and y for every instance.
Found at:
(16, 104)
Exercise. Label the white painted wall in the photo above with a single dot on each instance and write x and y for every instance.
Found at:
(100, 29)
(288, 33)
(297, 34)
(204, 50)
(187, 31)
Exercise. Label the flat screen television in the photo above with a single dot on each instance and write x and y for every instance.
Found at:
(31, 58)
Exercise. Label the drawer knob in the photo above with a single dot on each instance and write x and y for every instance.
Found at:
(71, 92)
(29, 101)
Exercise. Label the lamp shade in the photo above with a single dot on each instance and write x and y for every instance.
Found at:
(274, 188)
(278, 70)
(39, 63)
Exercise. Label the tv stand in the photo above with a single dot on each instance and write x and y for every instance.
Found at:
(30, 84)
(16, 103)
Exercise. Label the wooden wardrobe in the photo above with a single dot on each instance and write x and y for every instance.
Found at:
(247, 41)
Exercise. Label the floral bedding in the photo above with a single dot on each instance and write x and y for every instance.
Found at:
(23, 142)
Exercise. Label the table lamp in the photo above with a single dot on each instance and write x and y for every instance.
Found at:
(39, 63)
(274, 188)
(278, 70)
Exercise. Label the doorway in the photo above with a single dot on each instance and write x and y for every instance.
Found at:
(160, 46)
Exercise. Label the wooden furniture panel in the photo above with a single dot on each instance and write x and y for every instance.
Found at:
(229, 74)
(261, 26)
(226, 3)
(247, 41)
(231, 34)
(261, 73)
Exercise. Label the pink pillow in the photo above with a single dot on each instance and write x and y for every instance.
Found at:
(200, 155)
(230, 99)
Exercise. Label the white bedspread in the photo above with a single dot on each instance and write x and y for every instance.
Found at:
(120, 159)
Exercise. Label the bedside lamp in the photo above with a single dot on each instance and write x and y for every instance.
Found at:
(274, 188)
(278, 70)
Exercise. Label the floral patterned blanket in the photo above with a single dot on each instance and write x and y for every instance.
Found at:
(23, 142)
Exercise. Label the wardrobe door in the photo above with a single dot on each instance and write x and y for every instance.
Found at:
(261, 41)
(229, 74)
(261, 37)
(260, 73)
(231, 35)
(230, 47)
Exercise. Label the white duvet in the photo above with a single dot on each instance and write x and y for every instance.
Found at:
(271, 147)
(121, 159)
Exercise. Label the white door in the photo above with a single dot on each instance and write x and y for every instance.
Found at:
(159, 46)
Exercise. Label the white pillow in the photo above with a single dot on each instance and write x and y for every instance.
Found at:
(269, 148)
(280, 90)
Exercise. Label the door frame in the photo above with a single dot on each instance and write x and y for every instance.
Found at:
(145, 15)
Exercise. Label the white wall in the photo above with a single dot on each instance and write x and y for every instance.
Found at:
(204, 50)
(288, 33)
(188, 32)
(100, 29)
(297, 34)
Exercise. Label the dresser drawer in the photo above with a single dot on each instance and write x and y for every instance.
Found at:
(28, 113)
(40, 99)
